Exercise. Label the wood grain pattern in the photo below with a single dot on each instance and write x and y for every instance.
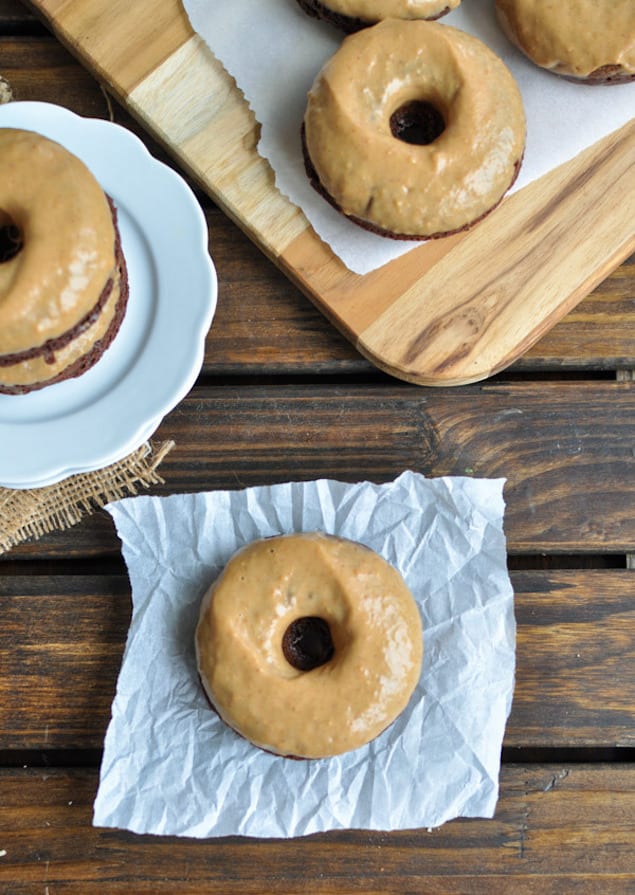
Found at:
(14, 16)
(59, 666)
(455, 311)
(574, 680)
(575, 652)
(121, 40)
(565, 449)
(552, 823)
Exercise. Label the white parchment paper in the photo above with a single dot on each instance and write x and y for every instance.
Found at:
(274, 50)
(171, 766)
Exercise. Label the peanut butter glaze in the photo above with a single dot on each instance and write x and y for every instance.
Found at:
(376, 10)
(68, 240)
(346, 701)
(419, 190)
(42, 368)
(572, 37)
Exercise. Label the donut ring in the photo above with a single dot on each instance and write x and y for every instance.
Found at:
(413, 190)
(584, 41)
(63, 278)
(309, 645)
(352, 15)
(76, 351)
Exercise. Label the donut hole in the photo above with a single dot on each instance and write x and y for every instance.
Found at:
(418, 122)
(10, 237)
(307, 643)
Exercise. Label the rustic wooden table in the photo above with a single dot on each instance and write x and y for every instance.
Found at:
(283, 396)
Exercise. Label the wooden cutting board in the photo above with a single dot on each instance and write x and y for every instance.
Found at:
(451, 311)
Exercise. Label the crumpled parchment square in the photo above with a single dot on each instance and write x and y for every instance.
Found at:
(172, 767)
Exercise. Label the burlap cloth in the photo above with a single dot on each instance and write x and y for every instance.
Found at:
(6, 94)
(29, 514)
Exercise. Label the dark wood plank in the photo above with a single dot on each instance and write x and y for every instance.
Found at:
(557, 829)
(12, 14)
(39, 69)
(575, 659)
(565, 449)
(60, 652)
(62, 640)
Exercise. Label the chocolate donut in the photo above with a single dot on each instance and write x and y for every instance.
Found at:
(413, 130)
(585, 41)
(63, 276)
(352, 15)
(309, 645)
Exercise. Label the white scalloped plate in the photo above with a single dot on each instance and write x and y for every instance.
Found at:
(86, 423)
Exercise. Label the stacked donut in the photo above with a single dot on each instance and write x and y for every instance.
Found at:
(63, 278)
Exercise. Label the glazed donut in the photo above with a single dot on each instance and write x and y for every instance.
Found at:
(413, 129)
(351, 15)
(309, 645)
(63, 278)
(590, 41)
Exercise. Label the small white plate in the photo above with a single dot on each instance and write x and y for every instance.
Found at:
(86, 423)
